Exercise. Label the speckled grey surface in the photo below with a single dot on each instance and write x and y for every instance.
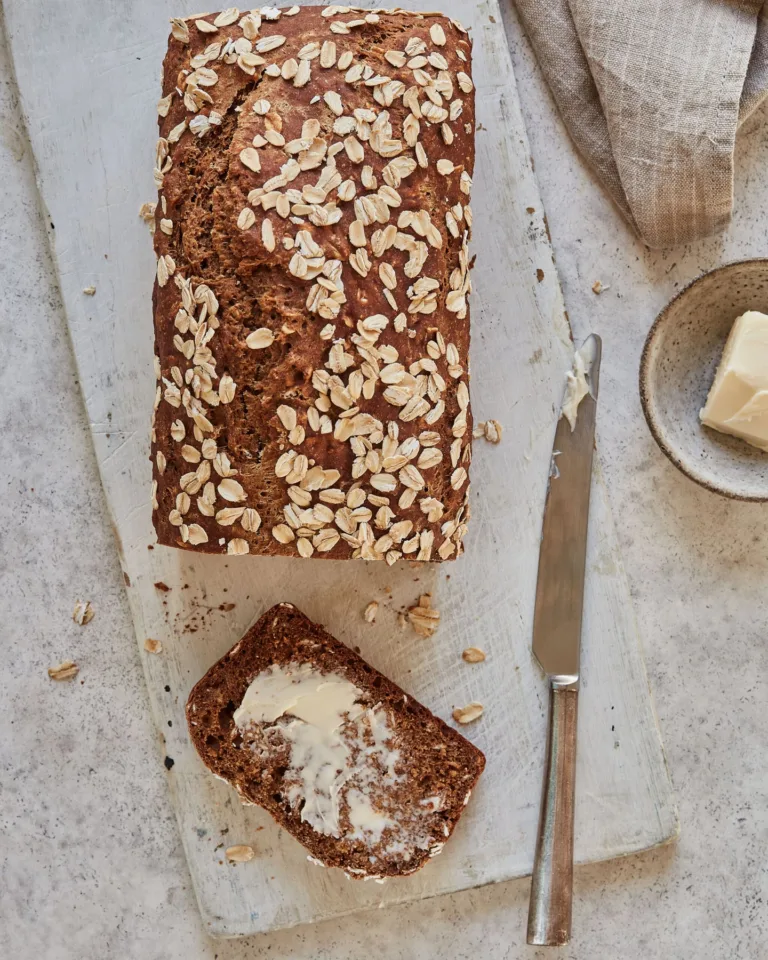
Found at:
(92, 864)
(682, 353)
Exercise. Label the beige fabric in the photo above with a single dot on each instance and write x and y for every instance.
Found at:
(653, 92)
(756, 83)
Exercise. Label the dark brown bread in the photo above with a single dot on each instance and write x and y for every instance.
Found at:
(420, 779)
(303, 412)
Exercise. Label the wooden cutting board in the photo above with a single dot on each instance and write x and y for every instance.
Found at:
(91, 119)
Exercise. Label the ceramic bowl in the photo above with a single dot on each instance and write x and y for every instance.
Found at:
(681, 354)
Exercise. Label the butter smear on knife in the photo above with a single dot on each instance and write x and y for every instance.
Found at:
(577, 381)
(738, 400)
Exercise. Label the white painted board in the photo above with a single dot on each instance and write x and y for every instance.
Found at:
(92, 125)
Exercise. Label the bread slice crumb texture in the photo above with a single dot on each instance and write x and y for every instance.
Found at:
(359, 772)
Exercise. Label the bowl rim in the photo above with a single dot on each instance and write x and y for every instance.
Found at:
(645, 392)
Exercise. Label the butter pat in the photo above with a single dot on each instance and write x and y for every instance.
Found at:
(339, 749)
(738, 399)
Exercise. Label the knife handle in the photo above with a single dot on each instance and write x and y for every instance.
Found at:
(549, 914)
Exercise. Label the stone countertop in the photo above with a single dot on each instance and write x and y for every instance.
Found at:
(92, 865)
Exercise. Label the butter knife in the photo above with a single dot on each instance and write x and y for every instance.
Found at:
(557, 642)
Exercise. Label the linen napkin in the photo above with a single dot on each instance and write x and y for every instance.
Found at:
(653, 92)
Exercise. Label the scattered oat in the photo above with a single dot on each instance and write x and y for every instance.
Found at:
(467, 714)
(423, 617)
(153, 646)
(240, 853)
(147, 214)
(83, 612)
(473, 655)
(490, 430)
(493, 431)
(66, 670)
(370, 611)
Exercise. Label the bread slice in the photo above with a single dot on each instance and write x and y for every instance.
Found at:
(355, 769)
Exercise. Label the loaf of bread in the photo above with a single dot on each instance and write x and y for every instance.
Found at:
(311, 317)
(359, 772)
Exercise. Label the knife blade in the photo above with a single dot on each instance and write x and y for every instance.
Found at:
(562, 555)
(556, 641)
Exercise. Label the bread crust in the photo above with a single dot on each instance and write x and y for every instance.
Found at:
(434, 760)
(282, 422)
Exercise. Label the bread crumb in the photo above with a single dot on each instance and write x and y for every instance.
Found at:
(490, 430)
(147, 214)
(370, 611)
(473, 655)
(469, 713)
(66, 670)
(423, 618)
(153, 646)
(83, 612)
(89, 291)
(240, 853)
